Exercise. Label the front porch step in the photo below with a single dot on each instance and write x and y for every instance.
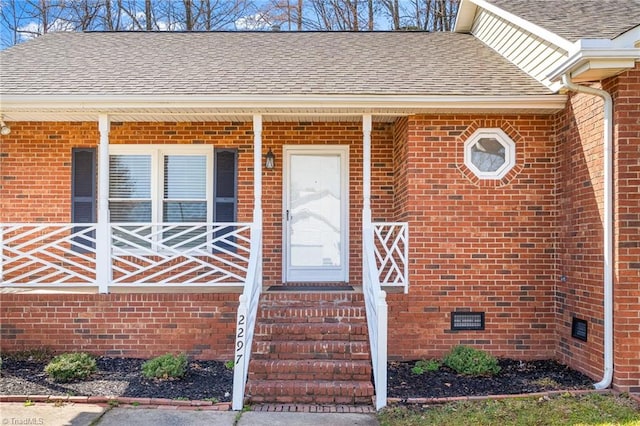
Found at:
(311, 369)
(325, 349)
(312, 331)
(311, 392)
(311, 348)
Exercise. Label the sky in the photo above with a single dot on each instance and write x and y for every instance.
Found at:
(20, 14)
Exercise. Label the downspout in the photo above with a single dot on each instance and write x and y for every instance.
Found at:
(607, 225)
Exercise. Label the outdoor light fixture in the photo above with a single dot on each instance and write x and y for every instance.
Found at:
(4, 129)
(270, 160)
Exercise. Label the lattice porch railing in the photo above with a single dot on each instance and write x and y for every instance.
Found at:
(179, 253)
(391, 249)
(48, 254)
(139, 254)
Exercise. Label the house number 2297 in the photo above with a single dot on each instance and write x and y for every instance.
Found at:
(240, 335)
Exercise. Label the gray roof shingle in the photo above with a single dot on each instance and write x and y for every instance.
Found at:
(260, 63)
(576, 19)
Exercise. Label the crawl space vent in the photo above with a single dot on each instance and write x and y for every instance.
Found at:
(579, 329)
(467, 320)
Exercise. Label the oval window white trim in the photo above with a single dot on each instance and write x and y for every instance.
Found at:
(509, 153)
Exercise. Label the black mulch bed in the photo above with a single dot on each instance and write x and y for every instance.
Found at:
(515, 377)
(211, 379)
(120, 377)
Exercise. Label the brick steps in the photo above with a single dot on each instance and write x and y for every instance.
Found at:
(311, 348)
(311, 369)
(325, 349)
(316, 391)
(312, 331)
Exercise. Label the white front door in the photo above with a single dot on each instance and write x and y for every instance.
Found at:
(316, 213)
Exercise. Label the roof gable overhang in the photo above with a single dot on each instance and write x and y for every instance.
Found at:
(238, 107)
(467, 13)
(587, 59)
(594, 60)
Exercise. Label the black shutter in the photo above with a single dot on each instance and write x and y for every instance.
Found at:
(83, 194)
(225, 197)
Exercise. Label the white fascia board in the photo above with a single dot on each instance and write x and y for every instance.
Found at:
(544, 34)
(264, 104)
(596, 53)
(465, 17)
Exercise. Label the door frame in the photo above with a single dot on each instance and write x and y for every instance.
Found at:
(343, 151)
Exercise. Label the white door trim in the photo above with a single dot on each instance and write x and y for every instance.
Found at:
(343, 151)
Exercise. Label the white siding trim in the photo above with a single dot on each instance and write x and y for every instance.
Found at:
(528, 51)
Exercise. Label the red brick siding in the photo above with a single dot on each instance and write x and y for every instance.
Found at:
(626, 96)
(35, 169)
(580, 192)
(475, 246)
(400, 158)
(130, 325)
(580, 197)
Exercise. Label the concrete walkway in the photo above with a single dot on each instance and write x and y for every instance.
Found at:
(75, 414)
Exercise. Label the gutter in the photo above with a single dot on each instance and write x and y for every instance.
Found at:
(607, 225)
(123, 102)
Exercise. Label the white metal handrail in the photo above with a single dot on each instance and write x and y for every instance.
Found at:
(376, 306)
(47, 254)
(391, 249)
(246, 319)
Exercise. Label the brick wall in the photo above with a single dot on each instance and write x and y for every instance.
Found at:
(626, 94)
(580, 190)
(476, 245)
(35, 169)
(580, 197)
(130, 325)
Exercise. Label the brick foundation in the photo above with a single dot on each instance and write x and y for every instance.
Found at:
(128, 325)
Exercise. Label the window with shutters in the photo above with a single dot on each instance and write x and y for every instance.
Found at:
(83, 194)
(172, 184)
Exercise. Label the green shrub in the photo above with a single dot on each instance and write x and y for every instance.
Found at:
(471, 362)
(423, 366)
(71, 366)
(167, 366)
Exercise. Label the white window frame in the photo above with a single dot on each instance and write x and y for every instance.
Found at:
(502, 138)
(157, 153)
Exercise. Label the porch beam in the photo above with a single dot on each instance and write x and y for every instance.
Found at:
(257, 170)
(366, 170)
(103, 232)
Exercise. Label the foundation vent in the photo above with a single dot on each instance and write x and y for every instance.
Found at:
(579, 329)
(467, 321)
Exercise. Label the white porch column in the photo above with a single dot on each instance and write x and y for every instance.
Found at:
(366, 170)
(257, 170)
(103, 231)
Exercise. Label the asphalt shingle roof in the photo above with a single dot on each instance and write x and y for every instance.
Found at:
(260, 63)
(576, 19)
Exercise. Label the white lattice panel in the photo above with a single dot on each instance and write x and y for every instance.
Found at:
(180, 253)
(391, 252)
(47, 254)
